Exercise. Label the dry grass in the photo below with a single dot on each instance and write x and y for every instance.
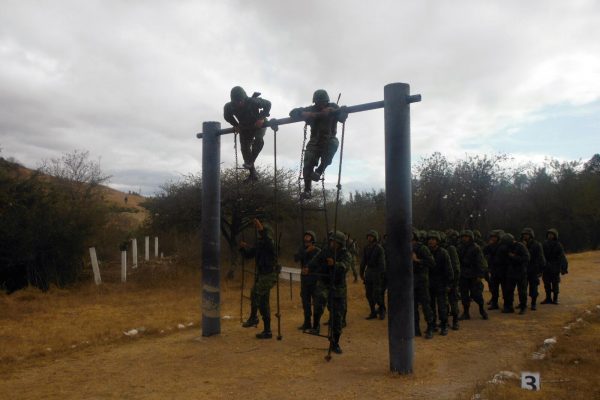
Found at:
(157, 297)
(236, 365)
(569, 370)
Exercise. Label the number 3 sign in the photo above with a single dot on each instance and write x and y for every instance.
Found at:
(530, 380)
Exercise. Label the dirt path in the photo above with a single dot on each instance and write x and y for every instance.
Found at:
(236, 365)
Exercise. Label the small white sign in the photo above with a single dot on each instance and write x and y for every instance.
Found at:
(530, 380)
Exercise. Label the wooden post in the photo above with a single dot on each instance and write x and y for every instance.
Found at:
(147, 248)
(95, 266)
(155, 246)
(124, 266)
(134, 260)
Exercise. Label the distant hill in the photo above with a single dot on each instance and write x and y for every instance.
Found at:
(115, 199)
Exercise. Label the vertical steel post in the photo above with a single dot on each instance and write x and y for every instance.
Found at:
(399, 227)
(211, 229)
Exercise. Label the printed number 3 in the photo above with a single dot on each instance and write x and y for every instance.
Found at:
(531, 381)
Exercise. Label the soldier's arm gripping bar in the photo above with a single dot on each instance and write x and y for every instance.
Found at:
(349, 109)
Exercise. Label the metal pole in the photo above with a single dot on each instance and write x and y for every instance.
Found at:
(211, 227)
(401, 325)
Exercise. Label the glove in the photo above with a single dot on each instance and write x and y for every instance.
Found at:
(343, 114)
(274, 124)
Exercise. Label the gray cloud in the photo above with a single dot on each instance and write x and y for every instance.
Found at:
(133, 81)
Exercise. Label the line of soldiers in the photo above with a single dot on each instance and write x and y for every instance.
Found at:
(248, 116)
(447, 267)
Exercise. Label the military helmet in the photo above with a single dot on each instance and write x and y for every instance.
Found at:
(312, 234)
(320, 96)
(554, 231)
(442, 236)
(467, 232)
(434, 235)
(451, 233)
(373, 233)
(338, 237)
(476, 234)
(528, 231)
(497, 233)
(238, 94)
(507, 238)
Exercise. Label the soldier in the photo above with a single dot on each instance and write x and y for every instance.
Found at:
(266, 277)
(472, 270)
(537, 262)
(556, 265)
(372, 269)
(490, 251)
(322, 117)
(352, 247)
(449, 244)
(247, 115)
(331, 264)
(441, 279)
(517, 259)
(422, 262)
(308, 279)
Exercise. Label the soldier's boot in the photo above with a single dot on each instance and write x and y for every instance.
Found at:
(306, 325)
(465, 315)
(373, 313)
(482, 311)
(266, 333)
(555, 298)
(455, 325)
(252, 319)
(533, 303)
(429, 332)
(417, 330)
(493, 305)
(522, 309)
(316, 329)
(547, 300)
(381, 312)
(316, 175)
(444, 328)
(335, 344)
(508, 309)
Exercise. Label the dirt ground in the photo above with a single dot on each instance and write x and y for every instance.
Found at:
(234, 364)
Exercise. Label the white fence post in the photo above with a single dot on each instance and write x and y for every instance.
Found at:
(147, 248)
(95, 267)
(134, 253)
(155, 246)
(124, 266)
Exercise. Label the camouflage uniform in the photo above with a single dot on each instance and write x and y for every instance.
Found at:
(308, 281)
(323, 143)
(536, 265)
(422, 262)
(441, 279)
(472, 270)
(556, 264)
(490, 251)
(266, 277)
(517, 258)
(372, 270)
(334, 290)
(352, 247)
(243, 118)
(454, 294)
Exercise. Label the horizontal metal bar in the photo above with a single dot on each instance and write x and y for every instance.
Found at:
(284, 121)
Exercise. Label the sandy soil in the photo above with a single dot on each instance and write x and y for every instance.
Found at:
(235, 364)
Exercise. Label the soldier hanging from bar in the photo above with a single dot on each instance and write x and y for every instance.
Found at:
(248, 115)
(322, 117)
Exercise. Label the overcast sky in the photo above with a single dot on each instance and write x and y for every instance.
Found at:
(132, 81)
